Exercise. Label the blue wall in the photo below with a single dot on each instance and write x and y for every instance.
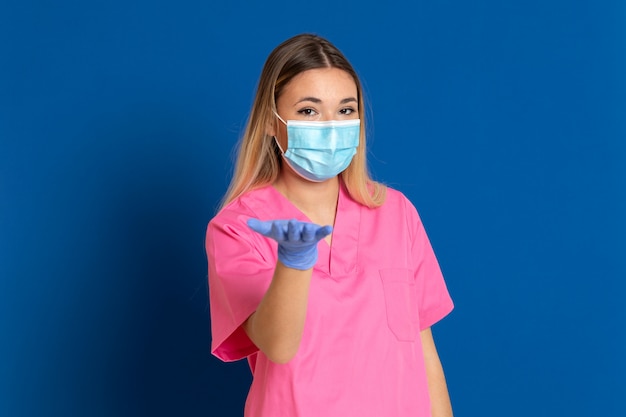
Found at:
(503, 121)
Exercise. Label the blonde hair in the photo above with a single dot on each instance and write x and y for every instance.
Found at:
(258, 159)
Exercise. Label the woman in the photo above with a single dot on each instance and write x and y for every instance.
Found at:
(322, 278)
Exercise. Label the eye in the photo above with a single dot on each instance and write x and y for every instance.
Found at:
(307, 112)
(347, 111)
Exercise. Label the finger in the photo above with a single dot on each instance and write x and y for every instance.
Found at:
(323, 231)
(308, 232)
(279, 231)
(294, 230)
(259, 226)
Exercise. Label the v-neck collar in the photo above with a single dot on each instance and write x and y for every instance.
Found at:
(336, 260)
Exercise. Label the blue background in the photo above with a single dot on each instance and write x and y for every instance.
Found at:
(504, 122)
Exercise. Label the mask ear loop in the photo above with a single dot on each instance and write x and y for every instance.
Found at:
(279, 118)
(279, 147)
(275, 139)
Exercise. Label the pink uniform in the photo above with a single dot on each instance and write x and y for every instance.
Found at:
(371, 294)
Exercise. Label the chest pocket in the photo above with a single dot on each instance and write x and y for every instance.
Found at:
(400, 303)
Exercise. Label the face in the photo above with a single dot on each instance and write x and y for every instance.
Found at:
(317, 95)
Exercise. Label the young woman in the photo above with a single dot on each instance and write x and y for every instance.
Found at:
(322, 278)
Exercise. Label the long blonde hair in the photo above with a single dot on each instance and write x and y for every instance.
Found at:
(258, 159)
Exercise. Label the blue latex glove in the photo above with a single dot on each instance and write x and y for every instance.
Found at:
(297, 241)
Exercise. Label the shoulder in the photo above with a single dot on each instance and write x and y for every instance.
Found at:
(396, 201)
(394, 196)
(248, 203)
(400, 209)
(237, 212)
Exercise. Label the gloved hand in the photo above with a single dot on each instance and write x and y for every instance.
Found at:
(297, 241)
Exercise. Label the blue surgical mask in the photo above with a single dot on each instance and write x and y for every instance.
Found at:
(318, 151)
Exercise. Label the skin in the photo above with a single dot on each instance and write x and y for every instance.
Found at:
(276, 327)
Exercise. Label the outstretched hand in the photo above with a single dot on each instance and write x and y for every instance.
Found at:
(297, 241)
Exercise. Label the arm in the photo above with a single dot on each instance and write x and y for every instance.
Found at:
(439, 398)
(277, 325)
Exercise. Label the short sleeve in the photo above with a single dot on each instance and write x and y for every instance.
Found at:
(240, 270)
(434, 301)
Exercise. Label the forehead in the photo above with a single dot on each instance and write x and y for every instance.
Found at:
(322, 83)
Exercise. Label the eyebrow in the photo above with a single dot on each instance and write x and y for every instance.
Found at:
(317, 100)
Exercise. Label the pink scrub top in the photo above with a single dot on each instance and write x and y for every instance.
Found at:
(371, 294)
